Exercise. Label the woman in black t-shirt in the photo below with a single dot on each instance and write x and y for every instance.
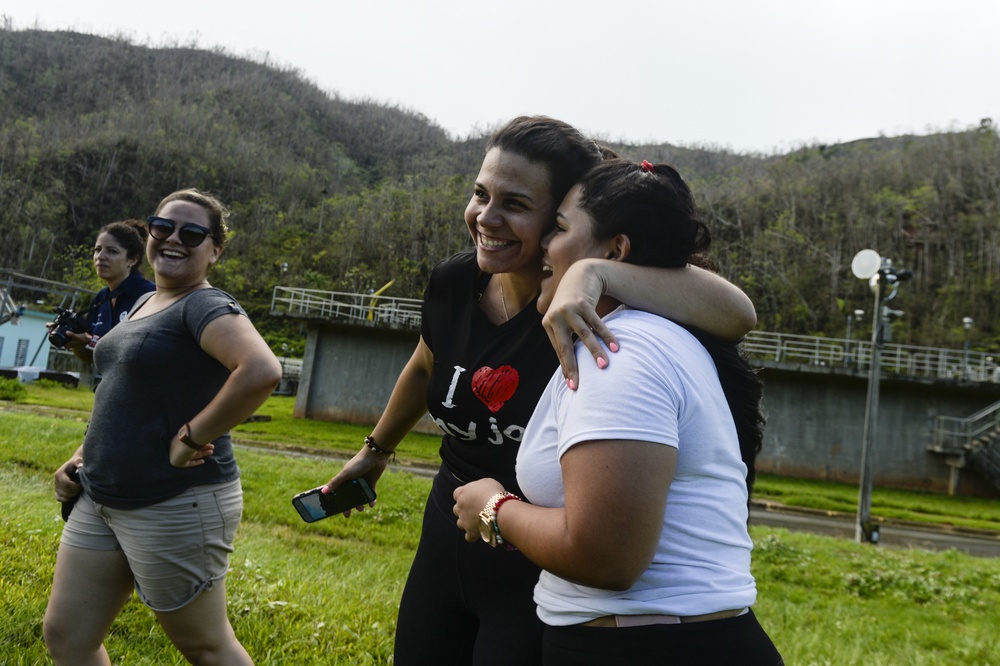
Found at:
(480, 365)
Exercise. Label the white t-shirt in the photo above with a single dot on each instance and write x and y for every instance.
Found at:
(661, 386)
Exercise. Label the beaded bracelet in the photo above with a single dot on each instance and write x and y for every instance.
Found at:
(496, 525)
(504, 498)
(373, 446)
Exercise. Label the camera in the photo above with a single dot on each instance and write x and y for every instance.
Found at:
(66, 320)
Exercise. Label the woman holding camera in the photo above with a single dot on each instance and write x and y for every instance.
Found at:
(117, 257)
(161, 496)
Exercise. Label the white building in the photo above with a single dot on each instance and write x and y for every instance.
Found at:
(24, 339)
(26, 305)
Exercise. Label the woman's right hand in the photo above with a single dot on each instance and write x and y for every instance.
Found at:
(365, 464)
(573, 312)
(183, 456)
(66, 486)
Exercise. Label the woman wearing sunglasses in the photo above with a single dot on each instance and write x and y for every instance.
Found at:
(118, 254)
(161, 496)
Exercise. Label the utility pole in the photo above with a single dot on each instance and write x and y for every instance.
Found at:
(864, 531)
(883, 281)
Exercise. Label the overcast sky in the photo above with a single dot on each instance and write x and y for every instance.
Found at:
(747, 75)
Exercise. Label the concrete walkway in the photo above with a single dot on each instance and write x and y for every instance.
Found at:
(981, 543)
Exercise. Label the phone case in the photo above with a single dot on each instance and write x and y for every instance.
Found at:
(313, 505)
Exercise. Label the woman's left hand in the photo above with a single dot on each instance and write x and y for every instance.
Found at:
(182, 455)
(470, 500)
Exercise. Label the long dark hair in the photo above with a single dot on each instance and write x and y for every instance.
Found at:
(654, 207)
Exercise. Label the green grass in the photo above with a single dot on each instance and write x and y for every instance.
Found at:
(327, 593)
(51, 394)
(324, 593)
(285, 432)
(887, 503)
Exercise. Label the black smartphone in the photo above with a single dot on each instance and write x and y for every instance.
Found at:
(67, 507)
(313, 505)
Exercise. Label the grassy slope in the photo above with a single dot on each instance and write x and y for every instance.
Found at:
(326, 593)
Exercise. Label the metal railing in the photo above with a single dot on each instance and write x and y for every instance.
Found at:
(17, 289)
(319, 304)
(953, 434)
(909, 360)
(291, 368)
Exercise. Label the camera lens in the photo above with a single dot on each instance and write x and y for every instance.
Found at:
(57, 338)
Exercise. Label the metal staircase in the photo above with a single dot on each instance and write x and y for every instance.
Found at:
(8, 308)
(17, 290)
(972, 442)
(985, 456)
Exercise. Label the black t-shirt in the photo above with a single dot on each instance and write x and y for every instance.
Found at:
(487, 377)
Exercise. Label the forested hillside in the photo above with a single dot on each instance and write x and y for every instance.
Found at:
(350, 194)
(788, 227)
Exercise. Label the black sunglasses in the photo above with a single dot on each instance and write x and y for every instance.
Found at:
(191, 235)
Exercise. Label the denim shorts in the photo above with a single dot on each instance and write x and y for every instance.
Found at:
(175, 549)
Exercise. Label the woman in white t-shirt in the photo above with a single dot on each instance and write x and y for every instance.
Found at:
(639, 480)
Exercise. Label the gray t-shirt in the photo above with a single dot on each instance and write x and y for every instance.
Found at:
(156, 377)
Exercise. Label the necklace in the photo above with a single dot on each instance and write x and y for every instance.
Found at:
(503, 302)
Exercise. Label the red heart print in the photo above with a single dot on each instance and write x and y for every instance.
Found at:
(494, 387)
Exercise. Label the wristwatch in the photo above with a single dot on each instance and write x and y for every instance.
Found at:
(185, 437)
(488, 528)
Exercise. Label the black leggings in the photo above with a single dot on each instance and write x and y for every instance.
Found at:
(737, 640)
(465, 603)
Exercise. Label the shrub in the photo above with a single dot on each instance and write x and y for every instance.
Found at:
(50, 383)
(12, 389)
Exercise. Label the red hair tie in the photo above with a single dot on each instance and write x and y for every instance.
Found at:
(647, 167)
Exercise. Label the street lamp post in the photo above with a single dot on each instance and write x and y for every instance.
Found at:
(883, 280)
(864, 531)
(967, 325)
